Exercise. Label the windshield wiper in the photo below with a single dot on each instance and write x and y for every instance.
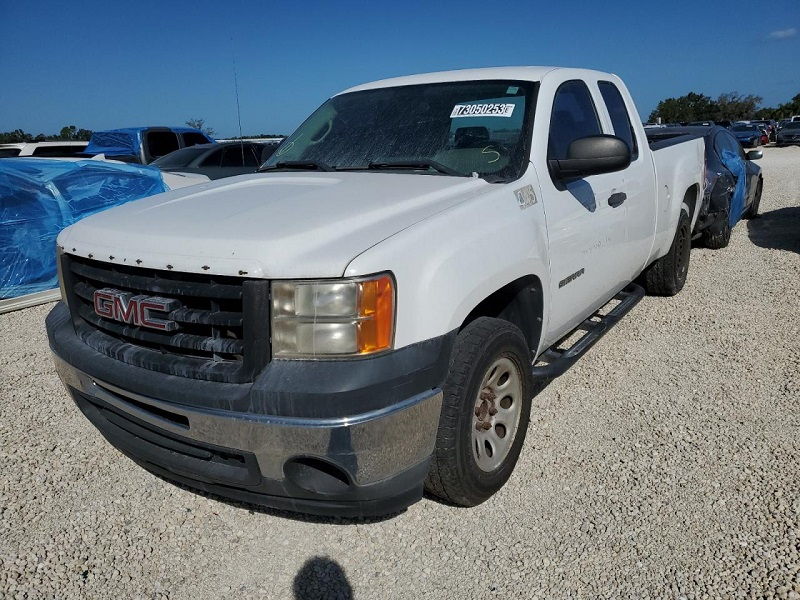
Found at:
(305, 165)
(417, 164)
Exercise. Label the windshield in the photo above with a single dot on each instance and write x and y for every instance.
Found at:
(743, 128)
(792, 125)
(458, 127)
(179, 158)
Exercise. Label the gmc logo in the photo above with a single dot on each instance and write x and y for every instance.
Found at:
(134, 310)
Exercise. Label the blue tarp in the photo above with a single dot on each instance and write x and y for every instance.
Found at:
(735, 165)
(126, 141)
(115, 142)
(39, 198)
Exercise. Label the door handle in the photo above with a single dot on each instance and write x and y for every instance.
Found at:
(614, 200)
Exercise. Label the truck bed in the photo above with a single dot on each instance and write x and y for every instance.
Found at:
(660, 139)
(679, 164)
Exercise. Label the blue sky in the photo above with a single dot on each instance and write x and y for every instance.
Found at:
(106, 64)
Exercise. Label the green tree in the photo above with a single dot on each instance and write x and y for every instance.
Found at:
(15, 137)
(788, 109)
(67, 132)
(201, 125)
(691, 107)
(765, 113)
(733, 106)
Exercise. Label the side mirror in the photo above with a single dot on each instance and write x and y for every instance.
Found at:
(591, 156)
(755, 155)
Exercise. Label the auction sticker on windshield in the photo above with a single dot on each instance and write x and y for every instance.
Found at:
(483, 110)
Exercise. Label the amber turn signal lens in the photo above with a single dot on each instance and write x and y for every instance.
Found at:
(376, 312)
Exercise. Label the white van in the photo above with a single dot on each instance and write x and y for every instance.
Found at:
(48, 149)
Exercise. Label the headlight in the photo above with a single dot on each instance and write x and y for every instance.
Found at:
(333, 318)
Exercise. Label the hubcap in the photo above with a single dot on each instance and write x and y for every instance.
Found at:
(498, 407)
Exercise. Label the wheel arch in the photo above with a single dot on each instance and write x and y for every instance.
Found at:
(691, 199)
(520, 302)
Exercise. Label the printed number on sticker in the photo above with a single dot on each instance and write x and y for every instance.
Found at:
(482, 110)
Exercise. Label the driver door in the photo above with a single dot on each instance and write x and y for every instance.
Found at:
(585, 232)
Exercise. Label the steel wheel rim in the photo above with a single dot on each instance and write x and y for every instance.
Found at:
(496, 414)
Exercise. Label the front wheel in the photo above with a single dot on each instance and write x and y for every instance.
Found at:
(485, 413)
(719, 235)
(752, 210)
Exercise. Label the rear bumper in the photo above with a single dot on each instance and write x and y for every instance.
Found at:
(368, 463)
(713, 221)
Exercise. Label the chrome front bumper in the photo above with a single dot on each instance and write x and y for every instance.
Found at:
(371, 448)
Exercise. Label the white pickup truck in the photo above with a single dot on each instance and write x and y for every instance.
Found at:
(368, 316)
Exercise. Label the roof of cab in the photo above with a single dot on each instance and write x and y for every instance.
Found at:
(518, 73)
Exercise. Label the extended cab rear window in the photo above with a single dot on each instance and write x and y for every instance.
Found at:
(161, 143)
(623, 128)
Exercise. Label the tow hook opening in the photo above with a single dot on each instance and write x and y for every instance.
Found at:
(316, 475)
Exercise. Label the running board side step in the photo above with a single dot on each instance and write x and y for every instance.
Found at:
(558, 359)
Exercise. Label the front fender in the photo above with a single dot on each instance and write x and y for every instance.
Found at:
(447, 264)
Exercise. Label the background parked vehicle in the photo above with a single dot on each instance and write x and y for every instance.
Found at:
(733, 183)
(40, 196)
(748, 135)
(770, 125)
(217, 160)
(47, 149)
(789, 134)
(143, 144)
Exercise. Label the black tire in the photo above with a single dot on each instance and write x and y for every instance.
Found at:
(454, 474)
(717, 239)
(667, 275)
(752, 210)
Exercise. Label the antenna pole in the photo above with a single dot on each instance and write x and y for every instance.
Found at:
(236, 91)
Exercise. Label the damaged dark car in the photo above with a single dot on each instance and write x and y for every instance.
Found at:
(733, 182)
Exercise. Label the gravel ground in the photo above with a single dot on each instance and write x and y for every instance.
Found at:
(665, 464)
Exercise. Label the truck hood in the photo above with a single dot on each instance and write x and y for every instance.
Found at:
(271, 225)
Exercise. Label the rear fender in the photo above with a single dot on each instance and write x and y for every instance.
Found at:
(679, 173)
